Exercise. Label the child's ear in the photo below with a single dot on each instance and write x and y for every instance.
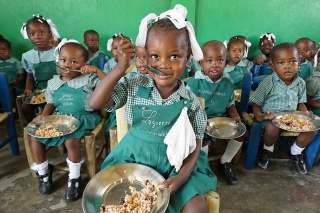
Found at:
(201, 63)
(271, 66)
(228, 53)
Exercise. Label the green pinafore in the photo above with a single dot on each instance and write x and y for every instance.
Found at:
(10, 69)
(236, 76)
(44, 71)
(70, 101)
(143, 144)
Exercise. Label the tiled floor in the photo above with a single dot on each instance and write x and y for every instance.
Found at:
(276, 189)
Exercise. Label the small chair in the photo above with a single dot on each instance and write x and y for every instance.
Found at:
(7, 117)
(93, 149)
(212, 198)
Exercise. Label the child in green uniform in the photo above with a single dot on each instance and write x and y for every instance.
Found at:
(218, 94)
(237, 66)
(153, 104)
(283, 90)
(39, 62)
(13, 69)
(63, 94)
(305, 67)
(91, 40)
(313, 93)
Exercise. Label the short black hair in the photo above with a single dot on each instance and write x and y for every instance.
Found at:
(90, 31)
(82, 48)
(38, 19)
(3, 40)
(281, 47)
(166, 24)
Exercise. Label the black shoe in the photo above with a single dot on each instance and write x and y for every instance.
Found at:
(297, 162)
(46, 187)
(73, 190)
(264, 158)
(228, 173)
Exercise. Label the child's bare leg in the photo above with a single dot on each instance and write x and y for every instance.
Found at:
(38, 151)
(197, 204)
(74, 162)
(28, 111)
(270, 136)
(304, 138)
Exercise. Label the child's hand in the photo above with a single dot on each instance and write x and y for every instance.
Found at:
(309, 113)
(125, 52)
(236, 119)
(174, 183)
(269, 115)
(259, 60)
(87, 69)
(27, 92)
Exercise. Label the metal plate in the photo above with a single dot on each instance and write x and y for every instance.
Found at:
(299, 114)
(237, 95)
(224, 128)
(63, 123)
(110, 186)
(35, 98)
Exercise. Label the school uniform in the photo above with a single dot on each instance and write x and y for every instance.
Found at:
(313, 90)
(305, 70)
(95, 59)
(273, 94)
(218, 95)
(266, 60)
(236, 73)
(12, 68)
(41, 64)
(151, 118)
(192, 67)
(72, 98)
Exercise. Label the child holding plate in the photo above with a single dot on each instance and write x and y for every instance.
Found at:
(68, 94)
(283, 90)
(218, 93)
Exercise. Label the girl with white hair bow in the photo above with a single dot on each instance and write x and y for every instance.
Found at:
(167, 121)
(39, 62)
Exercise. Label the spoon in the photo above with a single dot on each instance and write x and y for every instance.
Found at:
(153, 70)
(67, 70)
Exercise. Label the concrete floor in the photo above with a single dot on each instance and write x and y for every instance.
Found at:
(276, 189)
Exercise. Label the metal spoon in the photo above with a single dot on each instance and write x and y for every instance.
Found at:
(67, 70)
(153, 70)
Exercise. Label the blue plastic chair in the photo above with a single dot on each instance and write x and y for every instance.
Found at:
(12, 138)
(102, 62)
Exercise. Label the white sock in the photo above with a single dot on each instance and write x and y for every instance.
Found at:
(295, 149)
(74, 169)
(42, 169)
(205, 149)
(270, 148)
(231, 150)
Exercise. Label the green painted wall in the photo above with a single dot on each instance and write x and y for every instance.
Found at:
(212, 19)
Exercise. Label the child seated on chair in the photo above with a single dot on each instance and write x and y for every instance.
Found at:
(218, 94)
(39, 62)
(313, 93)
(237, 66)
(13, 69)
(266, 44)
(156, 109)
(67, 94)
(91, 40)
(305, 67)
(112, 46)
(283, 90)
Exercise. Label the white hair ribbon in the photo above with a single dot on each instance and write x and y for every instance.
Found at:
(178, 17)
(110, 41)
(248, 45)
(60, 45)
(52, 26)
(226, 42)
(269, 36)
(315, 60)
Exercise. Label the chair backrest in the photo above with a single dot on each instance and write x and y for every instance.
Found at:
(103, 60)
(245, 93)
(5, 93)
(122, 124)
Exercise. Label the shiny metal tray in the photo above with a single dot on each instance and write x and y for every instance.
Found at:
(39, 94)
(237, 94)
(315, 120)
(224, 128)
(63, 123)
(110, 186)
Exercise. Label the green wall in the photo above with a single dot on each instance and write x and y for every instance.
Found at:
(212, 19)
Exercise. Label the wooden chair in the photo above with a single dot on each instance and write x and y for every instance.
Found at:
(212, 198)
(7, 117)
(93, 142)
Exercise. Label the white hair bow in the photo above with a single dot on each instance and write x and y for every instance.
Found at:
(62, 42)
(109, 43)
(248, 45)
(269, 36)
(53, 28)
(178, 17)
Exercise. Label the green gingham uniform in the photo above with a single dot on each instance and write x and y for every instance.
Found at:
(305, 70)
(151, 118)
(72, 98)
(236, 73)
(313, 90)
(273, 94)
(95, 59)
